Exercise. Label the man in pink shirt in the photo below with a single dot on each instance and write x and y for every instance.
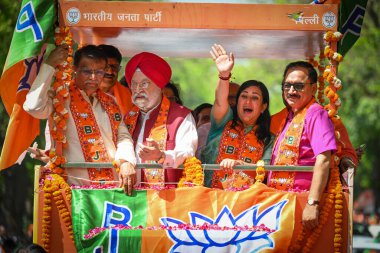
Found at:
(306, 137)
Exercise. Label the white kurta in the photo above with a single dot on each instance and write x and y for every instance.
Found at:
(186, 142)
(40, 105)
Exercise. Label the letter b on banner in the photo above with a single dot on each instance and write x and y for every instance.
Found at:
(115, 215)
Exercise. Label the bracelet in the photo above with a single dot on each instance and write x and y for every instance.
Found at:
(225, 78)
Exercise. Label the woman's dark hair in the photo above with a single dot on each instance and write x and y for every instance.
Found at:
(262, 131)
(89, 51)
(175, 89)
(198, 109)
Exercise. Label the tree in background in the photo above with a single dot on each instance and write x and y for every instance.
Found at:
(360, 74)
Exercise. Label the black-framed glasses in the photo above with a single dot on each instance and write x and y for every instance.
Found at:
(113, 67)
(298, 86)
(90, 72)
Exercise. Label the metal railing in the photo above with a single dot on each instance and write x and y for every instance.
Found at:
(204, 166)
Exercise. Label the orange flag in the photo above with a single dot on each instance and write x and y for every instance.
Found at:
(34, 27)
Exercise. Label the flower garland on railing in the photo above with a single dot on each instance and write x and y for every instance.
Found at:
(334, 191)
(62, 81)
(262, 228)
(192, 173)
(52, 186)
(260, 171)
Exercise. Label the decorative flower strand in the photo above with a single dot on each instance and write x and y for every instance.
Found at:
(260, 171)
(52, 186)
(62, 81)
(93, 232)
(192, 173)
(330, 74)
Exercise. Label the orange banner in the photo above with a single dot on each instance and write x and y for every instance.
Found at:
(256, 206)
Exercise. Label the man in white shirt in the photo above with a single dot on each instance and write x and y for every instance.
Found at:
(163, 131)
(94, 132)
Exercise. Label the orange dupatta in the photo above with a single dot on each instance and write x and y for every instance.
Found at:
(238, 145)
(288, 151)
(88, 130)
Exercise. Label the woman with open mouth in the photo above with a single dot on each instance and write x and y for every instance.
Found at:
(239, 135)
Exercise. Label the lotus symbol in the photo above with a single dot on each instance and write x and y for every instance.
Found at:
(210, 241)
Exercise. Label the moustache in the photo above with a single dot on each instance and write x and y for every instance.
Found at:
(293, 96)
(90, 82)
(109, 75)
(143, 95)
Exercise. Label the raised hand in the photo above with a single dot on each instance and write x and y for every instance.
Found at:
(58, 55)
(223, 61)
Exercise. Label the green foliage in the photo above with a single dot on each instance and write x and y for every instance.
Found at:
(360, 109)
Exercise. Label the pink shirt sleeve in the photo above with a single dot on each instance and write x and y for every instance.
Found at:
(319, 133)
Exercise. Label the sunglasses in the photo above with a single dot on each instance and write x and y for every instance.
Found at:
(296, 86)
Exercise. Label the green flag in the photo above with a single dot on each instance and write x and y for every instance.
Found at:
(350, 23)
(105, 208)
(33, 29)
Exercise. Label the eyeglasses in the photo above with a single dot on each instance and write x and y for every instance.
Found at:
(143, 85)
(89, 72)
(296, 86)
(113, 68)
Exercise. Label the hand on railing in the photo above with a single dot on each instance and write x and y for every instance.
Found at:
(127, 175)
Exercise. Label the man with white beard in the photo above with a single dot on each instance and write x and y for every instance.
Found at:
(163, 131)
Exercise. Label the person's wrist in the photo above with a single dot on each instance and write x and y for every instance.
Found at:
(225, 76)
(161, 159)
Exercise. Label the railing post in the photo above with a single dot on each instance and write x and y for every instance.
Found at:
(36, 202)
(350, 173)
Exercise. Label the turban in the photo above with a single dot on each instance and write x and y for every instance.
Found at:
(153, 66)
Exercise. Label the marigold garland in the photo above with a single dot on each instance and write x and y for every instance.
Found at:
(53, 185)
(62, 81)
(334, 196)
(260, 171)
(192, 173)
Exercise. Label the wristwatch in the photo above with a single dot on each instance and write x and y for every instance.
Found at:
(312, 202)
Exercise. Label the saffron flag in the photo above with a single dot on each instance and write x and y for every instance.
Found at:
(34, 28)
(351, 16)
(208, 209)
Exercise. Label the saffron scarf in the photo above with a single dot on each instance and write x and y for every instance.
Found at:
(288, 151)
(89, 134)
(238, 145)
